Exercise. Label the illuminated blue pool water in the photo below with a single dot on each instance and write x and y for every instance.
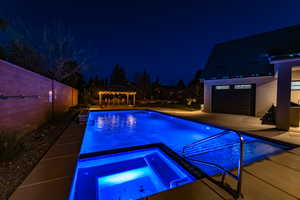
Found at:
(127, 175)
(108, 130)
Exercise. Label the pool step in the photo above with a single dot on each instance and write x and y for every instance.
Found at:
(192, 191)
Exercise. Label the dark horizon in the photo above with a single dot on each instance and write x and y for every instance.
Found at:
(171, 40)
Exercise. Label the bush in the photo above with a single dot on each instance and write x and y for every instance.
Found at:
(270, 116)
(10, 146)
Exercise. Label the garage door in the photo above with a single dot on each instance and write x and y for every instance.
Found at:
(234, 99)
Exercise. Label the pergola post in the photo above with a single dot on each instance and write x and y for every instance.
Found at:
(133, 99)
(100, 98)
(118, 96)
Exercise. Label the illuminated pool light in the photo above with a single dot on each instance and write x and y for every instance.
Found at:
(123, 177)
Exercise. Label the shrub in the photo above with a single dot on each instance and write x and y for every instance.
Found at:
(10, 146)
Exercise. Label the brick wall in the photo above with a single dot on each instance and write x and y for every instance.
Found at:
(25, 114)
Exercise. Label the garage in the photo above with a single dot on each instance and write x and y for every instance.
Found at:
(234, 99)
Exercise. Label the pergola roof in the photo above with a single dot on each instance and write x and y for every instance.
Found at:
(117, 92)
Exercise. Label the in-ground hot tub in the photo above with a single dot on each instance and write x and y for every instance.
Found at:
(127, 175)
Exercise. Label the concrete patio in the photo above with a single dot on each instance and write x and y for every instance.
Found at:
(274, 178)
(51, 178)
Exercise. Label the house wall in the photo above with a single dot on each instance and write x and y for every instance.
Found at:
(266, 89)
(295, 94)
(25, 114)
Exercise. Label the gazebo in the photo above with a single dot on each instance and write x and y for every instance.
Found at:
(117, 96)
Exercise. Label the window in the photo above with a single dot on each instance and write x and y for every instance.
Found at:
(242, 87)
(222, 87)
(295, 85)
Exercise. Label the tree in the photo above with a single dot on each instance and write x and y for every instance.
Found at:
(3, 27)
(118, 76)
(63, 59)
(143, 84)
(21, 54)
(198, 74)
(155, 89)
(197, 86)
(180, 85)
(3, 24)
(54, 54)
(156, 83)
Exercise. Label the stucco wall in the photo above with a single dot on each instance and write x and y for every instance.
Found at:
(266, 89)
(295, 94)
(25, 114)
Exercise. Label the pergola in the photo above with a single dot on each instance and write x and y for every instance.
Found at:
(116, 97)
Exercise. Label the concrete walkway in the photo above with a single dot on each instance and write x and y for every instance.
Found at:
(276, 178)
(52, 176)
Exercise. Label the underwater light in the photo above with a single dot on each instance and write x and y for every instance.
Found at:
(123, 177)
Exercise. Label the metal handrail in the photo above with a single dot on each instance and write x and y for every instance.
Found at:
(205, 139)
(193, 152)
(237, 193)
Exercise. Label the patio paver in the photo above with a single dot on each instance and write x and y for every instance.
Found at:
(51, 169)
(296, 151)
(52, 190)
(65, 149)
(253, 189)
(287, 159)
(278, 176)
(51, 178)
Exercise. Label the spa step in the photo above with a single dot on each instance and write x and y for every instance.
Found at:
(193, 191)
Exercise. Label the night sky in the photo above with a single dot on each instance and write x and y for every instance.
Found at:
(169, 39)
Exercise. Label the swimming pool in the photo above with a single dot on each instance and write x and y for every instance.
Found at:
(109, 130)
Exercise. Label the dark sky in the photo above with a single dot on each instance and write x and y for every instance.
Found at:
(170, 39)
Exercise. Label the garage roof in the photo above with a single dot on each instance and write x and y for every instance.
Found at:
(250, 56)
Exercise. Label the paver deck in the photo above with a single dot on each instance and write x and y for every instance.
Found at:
(52, 177)
(276, 178)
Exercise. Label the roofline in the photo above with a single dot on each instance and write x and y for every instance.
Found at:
(294, 60)
(236, 78)
(258, 34)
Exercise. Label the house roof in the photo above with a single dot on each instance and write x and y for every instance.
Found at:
(251, 56)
